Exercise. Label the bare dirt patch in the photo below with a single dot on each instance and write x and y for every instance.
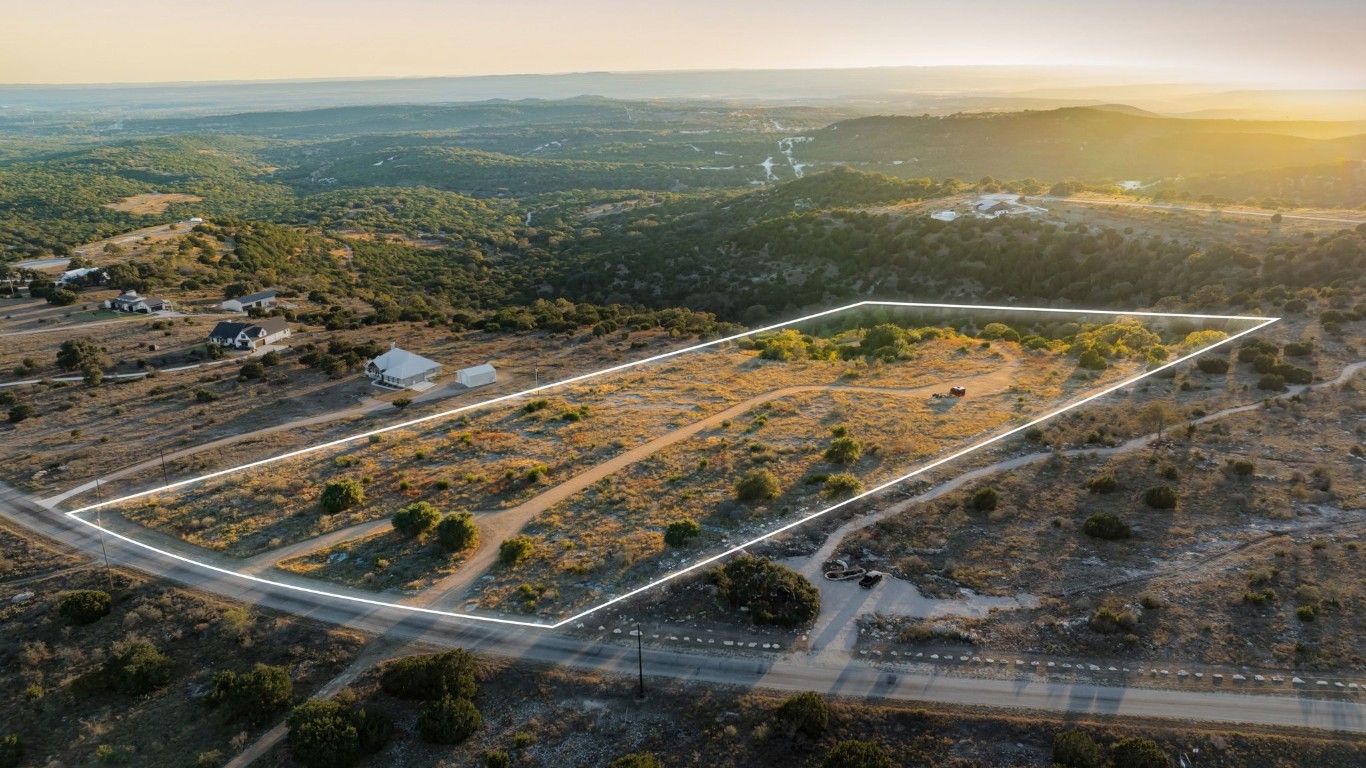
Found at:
(152, 203)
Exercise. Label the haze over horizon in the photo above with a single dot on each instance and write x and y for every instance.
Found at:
(1251, 43)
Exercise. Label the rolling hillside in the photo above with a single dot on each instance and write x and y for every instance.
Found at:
(1084, 143)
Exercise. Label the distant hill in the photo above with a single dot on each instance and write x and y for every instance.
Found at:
(1086, 143)
(1124, 109)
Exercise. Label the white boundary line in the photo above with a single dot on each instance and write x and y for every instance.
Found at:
(1261, 322)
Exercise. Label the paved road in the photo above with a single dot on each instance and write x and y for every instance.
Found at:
(40, 263)
(849, 677)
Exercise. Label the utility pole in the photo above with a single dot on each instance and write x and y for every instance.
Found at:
(99, 523)
(640, 660)
(164, 478)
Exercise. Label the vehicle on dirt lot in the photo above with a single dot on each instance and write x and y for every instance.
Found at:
(870, 579)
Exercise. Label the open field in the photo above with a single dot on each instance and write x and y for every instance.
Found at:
(488, 458)
(151, 203)
(594, 472)
(1244, 571)
(123, 422)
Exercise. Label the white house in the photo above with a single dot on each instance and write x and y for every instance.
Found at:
(477, 376)
(401, 369)
(98, 276)
(260, 300)
(130, 301)
(250, 335)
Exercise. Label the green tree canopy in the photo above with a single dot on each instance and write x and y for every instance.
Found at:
(458, 531)
(857, 754)
(342, 495)
(448, 721)
(416, 519)
(75, 354)
(757, 485)
(774, 594)
(253, 697)
(806, 714)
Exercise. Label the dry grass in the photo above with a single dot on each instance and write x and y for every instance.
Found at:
(1196, 561)
(96, 431)
(152, 203)
(610, 537)
(386, 560)
(24, 556)
(492, 459)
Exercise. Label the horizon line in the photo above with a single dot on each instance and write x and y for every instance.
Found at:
(701, 70)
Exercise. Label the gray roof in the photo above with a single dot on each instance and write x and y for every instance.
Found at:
(269, 293)
(226, 329)
(132, 297)
(267, 327)
(402, 364)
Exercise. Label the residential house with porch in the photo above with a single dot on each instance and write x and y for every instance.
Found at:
(250, 335)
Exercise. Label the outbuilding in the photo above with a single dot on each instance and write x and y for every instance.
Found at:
(477, 376)
(260, 300)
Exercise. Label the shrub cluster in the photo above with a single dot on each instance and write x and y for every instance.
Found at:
(446, 682)
(844, 450)
(328, 734)
(458, 531)
(985, 499)
(416, 519)
(1160, 497)
(448, 720)
(1108, 526)
(516, 549)
(253, 697)
(679, 532)
(857, 754)
(1076, 749)
(342, 495)
(773, 593)
(757, 485)
(1105, 483)
(843, 484)
(84, 606)
(806, 714)
(135, 669)
(430, 677)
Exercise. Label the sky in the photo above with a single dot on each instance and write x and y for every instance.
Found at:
(1290, 43)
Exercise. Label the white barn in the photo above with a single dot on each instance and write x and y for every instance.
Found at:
(401, 369)
(260, 300)
(477, 376)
